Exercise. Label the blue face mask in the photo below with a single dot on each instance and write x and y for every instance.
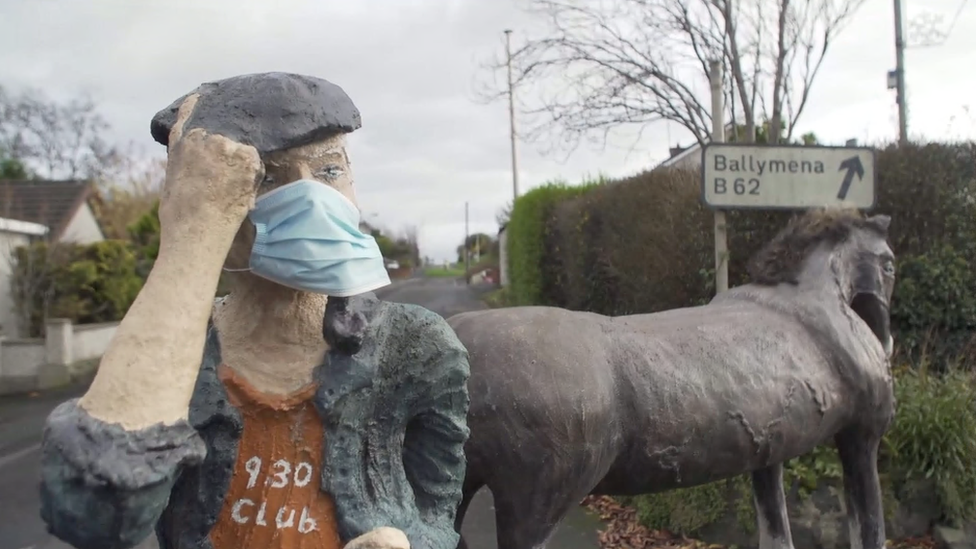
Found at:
(308, 238)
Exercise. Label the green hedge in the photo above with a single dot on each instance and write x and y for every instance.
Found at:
(527, 236)
(645, 244)
(85, 283)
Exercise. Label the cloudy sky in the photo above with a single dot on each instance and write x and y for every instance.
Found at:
(427, 146)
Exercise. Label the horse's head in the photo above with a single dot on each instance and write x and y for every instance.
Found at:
(838, 250)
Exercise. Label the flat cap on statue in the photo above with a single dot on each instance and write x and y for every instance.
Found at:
(270, 111)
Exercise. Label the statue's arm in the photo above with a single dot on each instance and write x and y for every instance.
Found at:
(110, 458)
(433, 454)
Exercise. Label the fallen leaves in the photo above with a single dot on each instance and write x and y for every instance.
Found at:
(624, 531)
(926, 542)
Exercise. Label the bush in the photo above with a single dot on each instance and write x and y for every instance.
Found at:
(934, 308)
(144, 234)
(645, 244)
(526, 237)
(934, 437)
(85, 283)
(631, 247)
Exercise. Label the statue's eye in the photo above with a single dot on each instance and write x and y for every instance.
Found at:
(266, 184)
(331, 171)
(888, 267)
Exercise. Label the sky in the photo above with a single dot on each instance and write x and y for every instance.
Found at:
(428, 145)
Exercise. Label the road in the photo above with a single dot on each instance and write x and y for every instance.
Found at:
(22, 418)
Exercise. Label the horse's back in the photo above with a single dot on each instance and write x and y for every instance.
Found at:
(540, 379)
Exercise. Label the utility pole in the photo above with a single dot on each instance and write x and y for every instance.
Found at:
(511, 115)
(900, 77)
(467, 260)
(718, 136)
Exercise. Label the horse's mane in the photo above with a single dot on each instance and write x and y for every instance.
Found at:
(781, 259)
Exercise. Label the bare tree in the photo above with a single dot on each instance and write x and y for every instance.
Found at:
(54, 139)
(128, 187)
(605, 64)
(504, 215)
(412, 242)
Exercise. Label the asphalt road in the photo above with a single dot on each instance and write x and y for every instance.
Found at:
(22, 418)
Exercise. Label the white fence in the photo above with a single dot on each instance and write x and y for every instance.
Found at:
(33, 364)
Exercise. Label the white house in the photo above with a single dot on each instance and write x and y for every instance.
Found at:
(35, 209)
(689, 157)
(13, 234)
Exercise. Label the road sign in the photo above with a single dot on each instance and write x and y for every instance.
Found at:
(738, 176)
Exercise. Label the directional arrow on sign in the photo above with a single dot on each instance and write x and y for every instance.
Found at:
(854, 167)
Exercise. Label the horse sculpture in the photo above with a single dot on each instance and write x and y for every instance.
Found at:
(565, 403)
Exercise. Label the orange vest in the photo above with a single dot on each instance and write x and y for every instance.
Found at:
(275, 500)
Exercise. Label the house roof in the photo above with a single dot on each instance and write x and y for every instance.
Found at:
(692, 149)
(696, 148)
(50, 203)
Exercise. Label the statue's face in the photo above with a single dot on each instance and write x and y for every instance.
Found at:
(323, 161)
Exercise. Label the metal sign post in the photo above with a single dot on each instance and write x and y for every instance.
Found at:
(718, 136)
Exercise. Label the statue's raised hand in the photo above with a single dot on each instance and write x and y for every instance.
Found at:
(211, 180)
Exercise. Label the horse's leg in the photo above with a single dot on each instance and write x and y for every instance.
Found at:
(527, 513)
(517, 527)
(771, 513)
(468, 492)
(858, 451)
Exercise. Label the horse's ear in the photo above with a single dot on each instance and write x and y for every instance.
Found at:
(880, 222)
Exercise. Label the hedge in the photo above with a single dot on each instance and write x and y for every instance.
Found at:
(645, 244)
(85, 283)
(527, 235)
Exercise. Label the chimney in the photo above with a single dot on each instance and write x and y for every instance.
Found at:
(675, 151)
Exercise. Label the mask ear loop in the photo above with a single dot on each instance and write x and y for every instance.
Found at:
(236, 270)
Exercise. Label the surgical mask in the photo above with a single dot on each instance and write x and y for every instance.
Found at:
(308, 238)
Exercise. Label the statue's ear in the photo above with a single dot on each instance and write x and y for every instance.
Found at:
(880, 222)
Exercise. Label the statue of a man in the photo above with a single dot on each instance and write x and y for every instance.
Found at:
(310, 422)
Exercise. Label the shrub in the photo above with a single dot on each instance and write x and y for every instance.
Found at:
(634, 246)
(144, 234)
(85, 283)
(934, 437)
(934, 308)
(645, 244)
(526, 236)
